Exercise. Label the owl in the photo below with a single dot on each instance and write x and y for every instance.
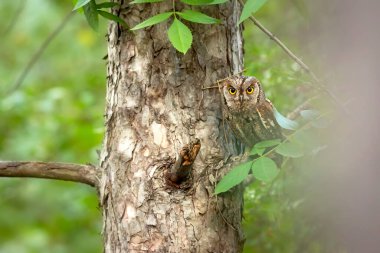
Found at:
(249, 114)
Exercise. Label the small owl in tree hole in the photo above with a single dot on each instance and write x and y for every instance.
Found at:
(249, 114)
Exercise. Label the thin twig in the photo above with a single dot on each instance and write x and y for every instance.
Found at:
(296, 59)
(51, 170)
(284, 47)
(38, 53)
(210, 87)
(14, 20)
(296, 112)
(221, 80)
(305, 67)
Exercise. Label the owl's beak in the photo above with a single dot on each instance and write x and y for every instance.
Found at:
(241, 99)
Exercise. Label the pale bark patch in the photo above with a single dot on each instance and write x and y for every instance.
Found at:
(127, 143)
(159, 134)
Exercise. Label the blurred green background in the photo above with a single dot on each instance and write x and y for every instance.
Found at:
(56, 115)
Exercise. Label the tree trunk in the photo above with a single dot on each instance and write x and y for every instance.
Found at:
(155, 107)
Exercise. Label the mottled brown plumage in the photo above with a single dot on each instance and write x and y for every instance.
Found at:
(247, 111)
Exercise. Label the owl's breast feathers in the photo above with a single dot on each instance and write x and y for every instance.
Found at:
(255, 125)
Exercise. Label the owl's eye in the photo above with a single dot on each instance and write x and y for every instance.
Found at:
(232, 90)
(249, 90)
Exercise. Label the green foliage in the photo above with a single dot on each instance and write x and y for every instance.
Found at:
(260, 147)
(92, 10)
(197, 17)
(46, 216)
(153, 20)
(203, 2)
(264, 169)
(91, 13)
(290, 149)
(217, 2)
(178, 33)
(251, 6)
(295, 145)
(112, 17)
(181, 41)
(197, 2)
(81, 3)
(180, 36)
(106, 5)
(145, 1)
(234, 177)
(54, 116)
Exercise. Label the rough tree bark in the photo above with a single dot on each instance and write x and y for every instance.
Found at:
(155, 107)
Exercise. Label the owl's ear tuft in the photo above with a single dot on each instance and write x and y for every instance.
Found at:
(225, 82)
(252, 80)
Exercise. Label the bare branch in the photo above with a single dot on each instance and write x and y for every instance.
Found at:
(61, 171)
(305, 105)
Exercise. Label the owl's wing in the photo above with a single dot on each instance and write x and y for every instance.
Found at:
(269, 122)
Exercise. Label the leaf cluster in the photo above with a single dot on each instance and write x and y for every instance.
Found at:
(179, 34)
(92, 10)
(297, 144)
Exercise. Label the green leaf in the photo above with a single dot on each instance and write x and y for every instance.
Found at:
(197, 17)
(284, 122)
(145, 1)
(260, 147)
(234, 177)
(180, 36)
(91, 14)
(197, 2)
(217, 2)
(153, 20)
(106, 5)
(251, 6)
(113, 17)
(80, 3)
(264, 169)
(290, 149)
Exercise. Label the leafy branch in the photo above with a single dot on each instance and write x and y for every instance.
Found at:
(251, 6)
(92, 10)
(178, 33)
(263, 167)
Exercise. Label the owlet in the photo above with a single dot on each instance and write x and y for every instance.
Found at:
(247, 111)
